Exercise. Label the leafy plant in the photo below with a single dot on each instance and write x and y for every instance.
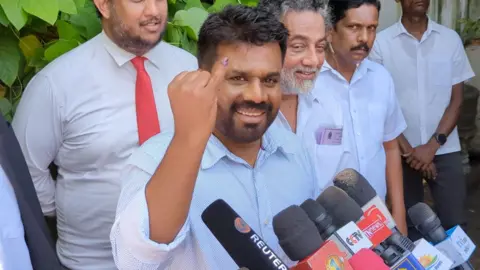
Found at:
(469, 30)
(35, 32)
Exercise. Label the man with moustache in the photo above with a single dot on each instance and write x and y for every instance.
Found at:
(359, 103)
(86, 112)
(227, 149)
(429, 65)
(307, 22)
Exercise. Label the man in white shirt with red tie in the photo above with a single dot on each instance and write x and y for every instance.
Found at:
(86, 112)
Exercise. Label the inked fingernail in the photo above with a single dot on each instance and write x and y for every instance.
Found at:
(225, 61)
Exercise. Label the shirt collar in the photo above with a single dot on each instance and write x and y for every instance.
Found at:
(272, 141)
(121, 56)
(401, 30)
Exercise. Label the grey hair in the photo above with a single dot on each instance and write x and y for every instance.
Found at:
(280, 7)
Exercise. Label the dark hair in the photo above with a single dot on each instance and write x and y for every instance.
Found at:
(340, 7)
(280, 7)
(238, 24)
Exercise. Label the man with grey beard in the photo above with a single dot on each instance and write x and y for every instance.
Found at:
(87, 112)
(307, 22)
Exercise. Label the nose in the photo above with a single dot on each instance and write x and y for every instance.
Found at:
(254, 92)
(362, 35)
(312, 58)
(152, 7)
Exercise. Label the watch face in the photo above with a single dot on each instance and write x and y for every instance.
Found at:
(442, 138)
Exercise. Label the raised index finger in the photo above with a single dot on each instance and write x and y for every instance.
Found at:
(218, 73)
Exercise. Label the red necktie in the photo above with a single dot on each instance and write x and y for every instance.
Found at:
(147, 117)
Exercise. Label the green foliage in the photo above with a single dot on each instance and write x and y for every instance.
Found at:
(469, 30)
(35, 32)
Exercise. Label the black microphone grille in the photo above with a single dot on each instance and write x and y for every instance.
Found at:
(297, 235)
(340, 206)
(355, 185)
(420, 212)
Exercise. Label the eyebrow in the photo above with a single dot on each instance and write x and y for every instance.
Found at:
(306, 39)
(243, 73)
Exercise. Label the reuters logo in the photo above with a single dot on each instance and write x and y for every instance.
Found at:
(334, 263)
(241, 226)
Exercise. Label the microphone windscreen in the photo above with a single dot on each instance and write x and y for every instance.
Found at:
(355, 185)
(340, 206)
(297, 235)
(366, 259)
(317, 213)
(427, 222)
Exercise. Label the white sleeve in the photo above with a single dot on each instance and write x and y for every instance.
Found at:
(130, 235)
(462, 70)
(395, 123)
(38, 127)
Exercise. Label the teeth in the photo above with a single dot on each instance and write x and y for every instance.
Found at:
(250, 113)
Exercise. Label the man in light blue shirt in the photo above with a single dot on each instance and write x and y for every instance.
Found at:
(223, 148)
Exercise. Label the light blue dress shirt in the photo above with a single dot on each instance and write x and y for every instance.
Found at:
(14, 253)
(283, 175)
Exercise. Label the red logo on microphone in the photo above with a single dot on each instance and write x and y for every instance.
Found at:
(241, 226)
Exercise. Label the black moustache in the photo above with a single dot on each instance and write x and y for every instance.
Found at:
(252, 105)
(361, 47)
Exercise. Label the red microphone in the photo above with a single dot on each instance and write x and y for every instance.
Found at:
(366, 259)
(374, 226)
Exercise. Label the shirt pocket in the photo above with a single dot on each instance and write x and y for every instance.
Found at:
(440, 73)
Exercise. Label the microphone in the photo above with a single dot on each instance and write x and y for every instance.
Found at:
(373, 225)
(454, 243)
(345, 213)
(358, 188)
(246, 248)
(299, 238)
(366, 259)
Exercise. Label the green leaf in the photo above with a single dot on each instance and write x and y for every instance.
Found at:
(188, 44)
(172, 1)
(46, 10)
(10, 55)
(80, 3)
(28, 45)
(67, 6)
(219, 5)
(5, 107)
(58, 48)
(87, 20)
(191, 19)
(67, 31)
(193, 3)
(3, 17)
(14, 13)
(37, 60)
(250, 3)
(173, 34)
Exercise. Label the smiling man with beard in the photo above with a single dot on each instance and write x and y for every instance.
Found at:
(429, 65)
(359, 103)
(307, 22)
(86, 112)
(223, 147)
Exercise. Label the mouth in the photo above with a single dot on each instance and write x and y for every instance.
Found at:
(152, 27)
(305, 75)
(250, 116)
(360, 51)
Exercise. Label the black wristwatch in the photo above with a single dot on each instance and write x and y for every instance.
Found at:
(440, 138)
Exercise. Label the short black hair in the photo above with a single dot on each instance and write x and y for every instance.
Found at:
(340, 7)
(238, 24)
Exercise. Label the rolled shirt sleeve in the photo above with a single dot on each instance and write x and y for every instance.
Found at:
(130, 234)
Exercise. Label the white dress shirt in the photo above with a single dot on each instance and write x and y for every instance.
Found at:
(14, 253)
(424, 72)
(79, 112)
(283, 175)
(367, 110)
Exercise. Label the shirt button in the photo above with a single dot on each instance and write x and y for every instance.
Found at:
(358, 133)
(266, 222)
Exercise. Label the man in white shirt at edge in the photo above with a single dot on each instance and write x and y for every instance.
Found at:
(360, 108)
(80, 112)
(221, 149)
(307, 22)
(14, 253)
(429, 65)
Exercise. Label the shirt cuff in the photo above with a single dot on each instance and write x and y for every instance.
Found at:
(393, 135)
(463, 78)
(134, 228)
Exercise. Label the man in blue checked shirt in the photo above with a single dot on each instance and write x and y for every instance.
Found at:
(222, 148)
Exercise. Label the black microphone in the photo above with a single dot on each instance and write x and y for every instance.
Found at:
(322, 220)
(340, 206)
(428, 224)
(246, 248)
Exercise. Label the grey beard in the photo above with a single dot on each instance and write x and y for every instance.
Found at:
(290, 86)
